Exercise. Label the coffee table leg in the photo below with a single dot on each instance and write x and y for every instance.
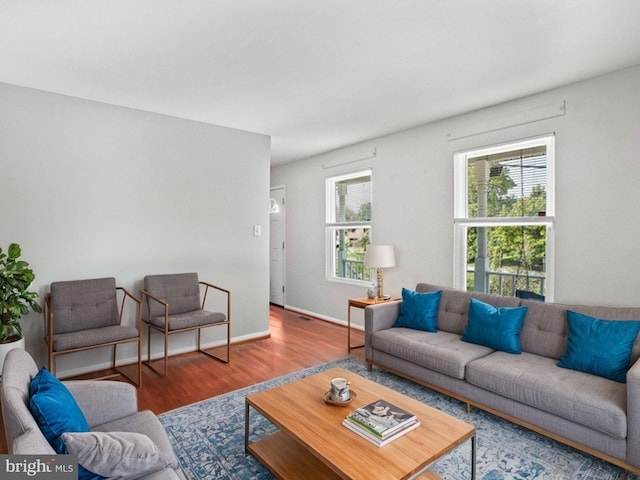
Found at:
(246, 426)
(473, 457)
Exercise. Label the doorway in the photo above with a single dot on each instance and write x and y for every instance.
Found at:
(277, 216)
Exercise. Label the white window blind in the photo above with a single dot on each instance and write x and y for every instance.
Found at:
(514, 183)
(351, 198)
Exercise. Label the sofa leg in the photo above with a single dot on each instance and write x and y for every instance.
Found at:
(469, 408)
(369, 366)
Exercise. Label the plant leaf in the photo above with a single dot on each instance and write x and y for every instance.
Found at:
(14, 251)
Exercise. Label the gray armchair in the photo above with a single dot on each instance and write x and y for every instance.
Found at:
(172, 304)
(107, 406)
(83, 314)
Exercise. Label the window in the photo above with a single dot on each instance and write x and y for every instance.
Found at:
(504, 219)
(348, 225)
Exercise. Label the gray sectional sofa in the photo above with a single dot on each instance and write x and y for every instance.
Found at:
(594, 414)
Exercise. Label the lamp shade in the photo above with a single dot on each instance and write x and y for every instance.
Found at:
(380, 256)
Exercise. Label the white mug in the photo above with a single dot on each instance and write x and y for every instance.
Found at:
(340, 390)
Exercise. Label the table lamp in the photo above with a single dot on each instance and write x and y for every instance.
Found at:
(379, 257)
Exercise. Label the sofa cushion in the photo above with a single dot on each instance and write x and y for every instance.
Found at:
(418, 310)
(494, 327)
(54, 409)
(537, 381)
(544, 329)
(600, 347)
(123, 455)
(442, 351)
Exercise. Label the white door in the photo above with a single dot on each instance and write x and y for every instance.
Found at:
(276, 246)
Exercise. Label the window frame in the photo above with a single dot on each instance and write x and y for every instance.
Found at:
(332, 225)
(462, 221)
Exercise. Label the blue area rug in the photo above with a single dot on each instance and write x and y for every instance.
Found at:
(208, 438)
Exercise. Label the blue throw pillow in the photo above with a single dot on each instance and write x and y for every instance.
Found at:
(419, 310)
(600, 347)
(44, 381)
(54, 409)
(494, 327)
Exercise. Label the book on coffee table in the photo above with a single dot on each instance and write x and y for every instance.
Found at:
(380, 442)
(381, 419)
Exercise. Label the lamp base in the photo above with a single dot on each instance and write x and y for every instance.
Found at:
(380, 283)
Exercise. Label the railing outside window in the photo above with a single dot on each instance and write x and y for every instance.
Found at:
(506, 283)
(355, 270)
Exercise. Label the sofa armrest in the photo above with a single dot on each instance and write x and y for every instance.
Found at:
(378, 317)
(31, 442)
(633, 415)
(103, 401)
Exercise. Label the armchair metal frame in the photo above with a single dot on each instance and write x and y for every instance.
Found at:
(49, 336)
(166, 332)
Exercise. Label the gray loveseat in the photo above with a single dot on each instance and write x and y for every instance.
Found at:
(589, 412)
(109, 406)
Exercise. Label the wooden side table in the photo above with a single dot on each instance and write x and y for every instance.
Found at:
(363, 303)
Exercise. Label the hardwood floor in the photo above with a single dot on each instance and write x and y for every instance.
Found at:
(297, 341)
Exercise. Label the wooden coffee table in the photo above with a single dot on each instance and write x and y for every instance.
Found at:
(313, 441)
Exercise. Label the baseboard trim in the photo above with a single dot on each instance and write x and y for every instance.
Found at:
(324, 318)
(131, 359)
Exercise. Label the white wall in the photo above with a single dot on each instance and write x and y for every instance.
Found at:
(597, 211)
(91, 190)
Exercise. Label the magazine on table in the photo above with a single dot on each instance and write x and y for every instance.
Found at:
(377, 440)
(381, 418)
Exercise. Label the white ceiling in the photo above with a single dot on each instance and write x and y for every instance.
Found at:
(314, 74)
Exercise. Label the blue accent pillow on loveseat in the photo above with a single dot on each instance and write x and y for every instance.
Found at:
(494, 327)
(600, 347)
(419, 310)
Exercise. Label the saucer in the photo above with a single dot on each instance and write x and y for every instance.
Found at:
(328, 400)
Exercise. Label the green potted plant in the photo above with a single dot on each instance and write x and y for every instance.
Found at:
(15, 299)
